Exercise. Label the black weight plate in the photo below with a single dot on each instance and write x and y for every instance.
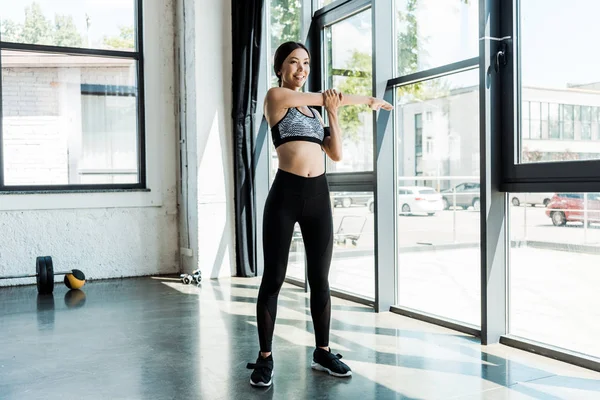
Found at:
(40, 267)
(49, 275)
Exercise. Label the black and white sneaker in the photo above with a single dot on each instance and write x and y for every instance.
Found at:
(324, 360)
(263, 371)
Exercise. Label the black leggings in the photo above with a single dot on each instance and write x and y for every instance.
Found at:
(292, 199)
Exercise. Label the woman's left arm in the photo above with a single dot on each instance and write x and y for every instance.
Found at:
(332, 144)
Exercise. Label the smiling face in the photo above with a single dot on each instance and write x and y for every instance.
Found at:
(295, 69)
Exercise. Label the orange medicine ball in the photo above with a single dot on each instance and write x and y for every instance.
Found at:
(75, 280)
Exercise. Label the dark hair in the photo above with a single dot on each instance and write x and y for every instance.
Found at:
(281, 54)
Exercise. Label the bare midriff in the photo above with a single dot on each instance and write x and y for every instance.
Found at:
(301, 158)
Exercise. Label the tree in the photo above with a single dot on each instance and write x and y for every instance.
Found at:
(285, 25)
(65, 32)
(286, 19)
(410, 45)
(10, 31)
(37, 29)
(357, 80)
(124, 41)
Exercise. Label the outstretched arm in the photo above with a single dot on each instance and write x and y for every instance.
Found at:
(374, 103)
(280, 97)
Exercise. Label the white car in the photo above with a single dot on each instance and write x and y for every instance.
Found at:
(517, 199)
(419, 199)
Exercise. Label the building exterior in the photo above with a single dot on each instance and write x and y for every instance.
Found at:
(439, 138)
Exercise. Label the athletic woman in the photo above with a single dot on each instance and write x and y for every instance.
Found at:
(300, 193)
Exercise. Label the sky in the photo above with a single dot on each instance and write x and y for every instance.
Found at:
(558, 42)
(557, 39)
(106, 15)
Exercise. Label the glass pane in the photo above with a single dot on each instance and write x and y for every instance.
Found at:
(68, 119)
(571, 94)
(323, 3)
(82, 23)
(439, 197)
(554, 257)
(353, 265)
(432, 33)
(348, 61)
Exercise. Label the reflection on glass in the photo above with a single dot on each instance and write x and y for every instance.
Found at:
(68, 119)
(554, 275)
(348, 60)
(431, 33)
(353, 264)
(438, 200)
(88, 24)
(560, 105)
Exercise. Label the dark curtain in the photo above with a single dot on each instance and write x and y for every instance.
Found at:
(246, 32)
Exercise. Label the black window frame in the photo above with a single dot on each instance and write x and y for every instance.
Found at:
(334, 12)
(566, 176)
(138, 55)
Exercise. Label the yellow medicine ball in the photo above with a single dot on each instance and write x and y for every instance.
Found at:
(75, 280)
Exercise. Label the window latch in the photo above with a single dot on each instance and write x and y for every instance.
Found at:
(501, 58)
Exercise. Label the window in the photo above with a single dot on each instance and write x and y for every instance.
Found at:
(71, 96)
(439, 199)
(549, 89)
(418, 135)
(348, 67)
(554, 257)
(432, 33)
(586, 123)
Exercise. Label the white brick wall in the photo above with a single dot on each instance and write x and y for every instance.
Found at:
(29, 92)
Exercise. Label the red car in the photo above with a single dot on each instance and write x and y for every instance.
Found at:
(569, 207)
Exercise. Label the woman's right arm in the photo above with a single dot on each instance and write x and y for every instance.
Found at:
(374, 103)
(281, 98)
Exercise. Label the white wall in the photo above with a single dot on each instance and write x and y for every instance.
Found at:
(110, 234)
(207, 223)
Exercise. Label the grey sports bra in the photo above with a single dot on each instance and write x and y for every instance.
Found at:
(296, 125)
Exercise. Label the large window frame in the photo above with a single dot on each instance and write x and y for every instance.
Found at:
(572, 176)
(337, 11)
(138, 56)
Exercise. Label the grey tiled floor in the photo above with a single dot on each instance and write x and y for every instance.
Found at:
(154, 338)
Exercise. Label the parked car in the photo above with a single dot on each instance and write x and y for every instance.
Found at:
(568, 207)
(518, 199)
(463, 195)
(419, 199)
(347, 199)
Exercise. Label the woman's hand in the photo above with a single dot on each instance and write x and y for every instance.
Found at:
(376, 104)
(332, 99)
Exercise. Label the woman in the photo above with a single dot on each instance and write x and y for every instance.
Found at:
(300, 193)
